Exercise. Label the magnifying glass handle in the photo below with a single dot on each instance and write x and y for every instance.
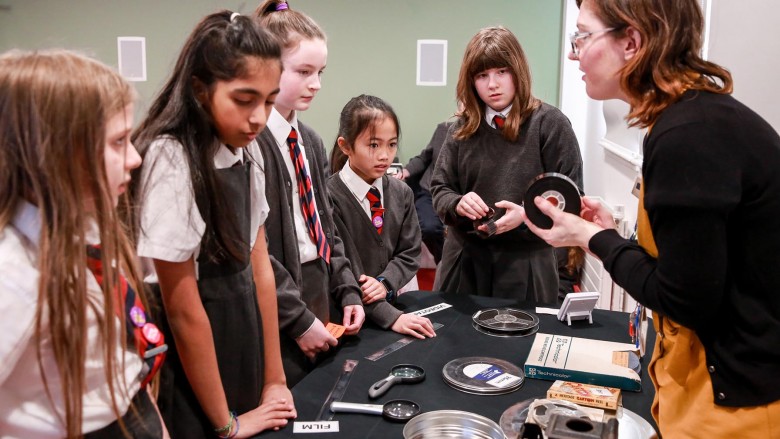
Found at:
(352, 407)
(380, 387)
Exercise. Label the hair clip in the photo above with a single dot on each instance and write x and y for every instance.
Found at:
(281, 6)
(233, 16)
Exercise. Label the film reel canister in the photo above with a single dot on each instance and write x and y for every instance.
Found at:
(556, 188)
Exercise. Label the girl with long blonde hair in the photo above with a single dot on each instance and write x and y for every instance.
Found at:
(67, 367)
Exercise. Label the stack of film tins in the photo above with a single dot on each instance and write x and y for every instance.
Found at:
(483, 375)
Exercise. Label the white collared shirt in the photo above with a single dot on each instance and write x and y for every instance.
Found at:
(172, 227)
(359, 187)
(280, 128)
(25, 407)
(490, 113)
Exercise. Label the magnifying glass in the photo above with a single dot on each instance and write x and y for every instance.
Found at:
(397, 410)
(402, 373)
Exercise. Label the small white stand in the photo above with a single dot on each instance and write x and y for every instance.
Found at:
(578, 306)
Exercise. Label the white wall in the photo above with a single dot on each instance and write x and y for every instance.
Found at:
(744, 38)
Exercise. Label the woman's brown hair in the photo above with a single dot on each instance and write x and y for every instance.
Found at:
(494, 47)
(55, 106)
(668, 61)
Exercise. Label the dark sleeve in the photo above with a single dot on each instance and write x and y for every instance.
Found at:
(294, 316)
(419, 163)
(382, 313)
(343, 284)
(406, 256)
(690, 189)
(560, 150)
(446, 196)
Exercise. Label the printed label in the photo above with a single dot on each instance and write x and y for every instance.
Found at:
(432, 309)
(316, 427)
(491, 374)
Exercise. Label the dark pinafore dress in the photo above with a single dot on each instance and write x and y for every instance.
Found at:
(227, 291)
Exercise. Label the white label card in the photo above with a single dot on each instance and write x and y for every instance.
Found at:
(316, 427)
(432, 309)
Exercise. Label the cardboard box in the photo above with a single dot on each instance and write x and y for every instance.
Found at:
(585, 394)
(603, 363)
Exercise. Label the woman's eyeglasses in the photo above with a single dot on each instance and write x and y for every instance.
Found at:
(577, 37)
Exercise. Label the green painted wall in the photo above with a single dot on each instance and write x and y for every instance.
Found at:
(372, 45)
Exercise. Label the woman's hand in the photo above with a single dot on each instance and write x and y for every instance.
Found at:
(569, 230)
(595, 212)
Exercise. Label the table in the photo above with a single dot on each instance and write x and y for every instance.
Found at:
(456, 339)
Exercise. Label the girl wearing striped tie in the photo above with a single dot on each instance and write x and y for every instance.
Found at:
(68, 367)
(375, 215)
(314, 282)
(202, 233)
(502, 139)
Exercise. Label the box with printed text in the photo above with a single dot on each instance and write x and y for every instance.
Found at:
(603, 363)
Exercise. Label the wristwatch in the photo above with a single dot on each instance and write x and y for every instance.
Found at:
(390, 291)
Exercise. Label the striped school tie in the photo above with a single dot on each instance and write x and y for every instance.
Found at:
(499, 120)
(306, 196)
(377, 212)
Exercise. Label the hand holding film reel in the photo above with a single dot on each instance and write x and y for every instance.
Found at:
(546, 218)
(557, 189)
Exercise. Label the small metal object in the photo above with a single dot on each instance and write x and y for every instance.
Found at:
(452, 423)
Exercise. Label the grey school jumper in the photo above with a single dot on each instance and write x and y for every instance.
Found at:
(395, 254)
(515, 264)
(295, 316)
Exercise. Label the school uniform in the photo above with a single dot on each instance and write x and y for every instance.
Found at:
(25, 408)
(172, 229)
(395, 253)
(306, 286)
(516, 264)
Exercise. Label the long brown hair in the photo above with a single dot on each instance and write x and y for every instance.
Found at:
(494, 47)
(669, 60)
(290, 26)
(218, 49)
(55, 106)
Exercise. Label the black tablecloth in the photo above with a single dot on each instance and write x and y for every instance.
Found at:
(456, 339)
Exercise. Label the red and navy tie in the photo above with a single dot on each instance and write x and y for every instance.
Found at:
(499, 120)
(149, 341)
(306, 196)
(377, 212)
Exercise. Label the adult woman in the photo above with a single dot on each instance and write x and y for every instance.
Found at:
(707, 257)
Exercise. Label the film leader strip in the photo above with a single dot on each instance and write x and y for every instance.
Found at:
(338, 390)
